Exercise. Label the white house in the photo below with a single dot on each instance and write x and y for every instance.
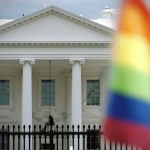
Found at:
(52, 62)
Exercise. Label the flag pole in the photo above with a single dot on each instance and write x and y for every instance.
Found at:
(45, 3)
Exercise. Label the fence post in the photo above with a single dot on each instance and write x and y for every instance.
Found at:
(83, 137)
(40, 128)
(8, 135)
(51, 140)
(57, 137)
(51, 123)
(3, 137)
(34, 137)
(67, 137)
(18, 137)
(13, 137)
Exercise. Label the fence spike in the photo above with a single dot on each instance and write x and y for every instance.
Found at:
(8, 127)
(57, 127)
(18, 128)
(83, 127)
(89, 127)
(29, 128)
(62, 128)
(3, 127)
(67, 127)
(34, 128)
(78, 127)
(40, 128)
(13, 128)
(24, 127)
(94, 127)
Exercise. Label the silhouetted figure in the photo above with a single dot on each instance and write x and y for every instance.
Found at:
(49, 123)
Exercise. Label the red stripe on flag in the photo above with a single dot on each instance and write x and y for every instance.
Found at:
(116, 130)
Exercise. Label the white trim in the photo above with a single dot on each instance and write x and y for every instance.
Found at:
(100, 44)
(55, 56)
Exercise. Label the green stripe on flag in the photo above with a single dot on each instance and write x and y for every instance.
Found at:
(130, 82)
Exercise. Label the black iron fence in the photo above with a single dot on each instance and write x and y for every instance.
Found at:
(56, 138)
(50, 138)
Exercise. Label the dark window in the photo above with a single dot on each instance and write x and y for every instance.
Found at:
(93, 92)
(4, 92)
(48, 92)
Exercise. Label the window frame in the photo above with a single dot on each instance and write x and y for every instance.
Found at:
(85, 93)
(53, 82)
(40, 93)
(11, 93)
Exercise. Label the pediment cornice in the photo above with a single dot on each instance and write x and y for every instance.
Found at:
(54, 44)
(56, 11)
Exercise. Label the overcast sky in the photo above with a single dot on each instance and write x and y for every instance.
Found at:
(91, 9)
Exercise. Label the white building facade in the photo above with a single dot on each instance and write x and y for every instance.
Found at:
(53, 62)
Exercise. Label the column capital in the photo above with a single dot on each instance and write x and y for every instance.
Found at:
(26, 60)
(76, 60)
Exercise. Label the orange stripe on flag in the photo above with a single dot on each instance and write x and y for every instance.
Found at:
(135, 18)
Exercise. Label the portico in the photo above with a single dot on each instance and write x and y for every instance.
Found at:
(77, 48)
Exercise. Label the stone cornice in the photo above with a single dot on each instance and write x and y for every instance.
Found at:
(53, 44)
(60, 12)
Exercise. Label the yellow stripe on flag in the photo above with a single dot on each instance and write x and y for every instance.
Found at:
(132, 52)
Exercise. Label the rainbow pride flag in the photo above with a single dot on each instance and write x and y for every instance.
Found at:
(128, 107)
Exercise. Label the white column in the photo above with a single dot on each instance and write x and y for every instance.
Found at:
(27, 99)
(76, 113)
(67, 74)
(27, 92)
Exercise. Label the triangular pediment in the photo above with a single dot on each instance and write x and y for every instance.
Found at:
(54, 24)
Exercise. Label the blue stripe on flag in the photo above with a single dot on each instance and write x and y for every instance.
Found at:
(128, 109)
